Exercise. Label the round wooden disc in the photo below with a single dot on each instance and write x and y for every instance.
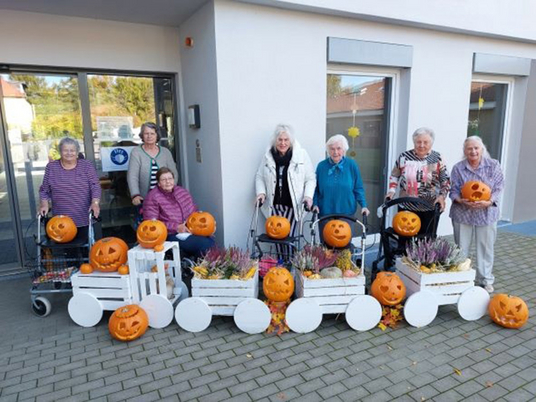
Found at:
(85, 310)
(158, 309)
(363, 313)
(473, 303)
(252, 316)
(421, 308)
(303, 315)
(193, 314)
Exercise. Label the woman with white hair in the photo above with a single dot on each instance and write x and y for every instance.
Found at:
(421, 172)
(477, 218)
(285, 179)
(339, 185)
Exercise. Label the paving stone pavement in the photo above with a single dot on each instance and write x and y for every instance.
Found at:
(52, 359)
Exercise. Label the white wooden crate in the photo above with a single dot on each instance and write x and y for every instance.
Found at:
(223, 295)
(332, 295)
(447, 286)
(109, 288)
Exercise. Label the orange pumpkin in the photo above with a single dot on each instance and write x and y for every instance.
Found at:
(476, 191)
(278, 284)
(277, 227)
(128, 323)
(406, 223)
(61, 229)
(201, 223)
(337, 233)
(108, 254)
(508, 311)
(152, 234)
(123, 270)
(388, 289)
(86, 268)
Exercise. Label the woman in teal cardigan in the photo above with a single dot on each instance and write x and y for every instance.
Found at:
(339, 187)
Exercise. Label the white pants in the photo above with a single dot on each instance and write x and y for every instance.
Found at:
(484, 242)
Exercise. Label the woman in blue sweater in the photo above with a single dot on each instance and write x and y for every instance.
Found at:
(339, 187)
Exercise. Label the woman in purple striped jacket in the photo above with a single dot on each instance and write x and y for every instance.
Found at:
(173, 204)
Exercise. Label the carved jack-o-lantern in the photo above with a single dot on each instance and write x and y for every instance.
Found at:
(476, 191)
(61, 229)
(337, 233)
(152, 234)
(201, 223)
(277, 227)
(388, 289)
(508, 311)
(108, 254)
(128, 323)
(278, 284)
(406, 223)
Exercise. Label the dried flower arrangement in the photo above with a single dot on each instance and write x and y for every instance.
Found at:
(311, 260)
(221, 263)
(435, 256)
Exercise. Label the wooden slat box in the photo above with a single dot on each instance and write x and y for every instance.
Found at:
(447, 286)
(332, 295)
(223, 295)
(109, 288)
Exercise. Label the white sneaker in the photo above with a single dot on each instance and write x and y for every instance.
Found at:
(489, 288)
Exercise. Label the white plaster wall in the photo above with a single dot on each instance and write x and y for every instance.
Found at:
(272, 69)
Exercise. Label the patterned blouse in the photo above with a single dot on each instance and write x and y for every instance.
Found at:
(425, 178)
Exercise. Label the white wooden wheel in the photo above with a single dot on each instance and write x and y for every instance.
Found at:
(363, 313)
(473, 303)
(85, 310)
(193, 314)
(184, 291)
(421, 308)
(252, 316)
(303, 315)
(159, 310)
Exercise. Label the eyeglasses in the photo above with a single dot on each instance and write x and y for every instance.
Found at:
(166, 179)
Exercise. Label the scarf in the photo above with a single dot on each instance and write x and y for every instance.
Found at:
(336, 166)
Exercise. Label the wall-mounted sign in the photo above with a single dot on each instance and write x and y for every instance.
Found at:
(115, 159)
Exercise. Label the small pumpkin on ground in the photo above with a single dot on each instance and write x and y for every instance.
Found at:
(128, 323)
(508, 311)
(61, 229)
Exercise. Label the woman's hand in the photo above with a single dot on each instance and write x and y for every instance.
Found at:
(441, 201)
(43, 208)
(481, 204)
(182, 228)
(308, 202)
(137, 200)
(365, 211)
(389, 195)
(315, 209)
(95, 207)
(260, 198)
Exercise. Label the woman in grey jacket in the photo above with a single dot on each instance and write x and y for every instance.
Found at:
(285, 178)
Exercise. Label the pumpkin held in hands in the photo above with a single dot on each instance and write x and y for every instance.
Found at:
(476, 191)
(152, 234)
(388, 289)
(508, 311)
(201, 223)
(128, 323)
(406, 223)
(277, 227)
(337, 233)
(108, 254)
(61, 229)
(278, 284)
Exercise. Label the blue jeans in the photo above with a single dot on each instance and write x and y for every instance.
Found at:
(194, 246)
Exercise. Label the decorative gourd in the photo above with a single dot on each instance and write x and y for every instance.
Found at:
(277, 227)
(201, 223)
(123, 270)
(349, 273)
(476, 191)
(152, 234)
(278, 284)
(61, 229)
(388, 289)
(406, 223)
(86, 268)
(337, 233)
(508, 311)
(108, 254)
(331, 273)
(128, 323)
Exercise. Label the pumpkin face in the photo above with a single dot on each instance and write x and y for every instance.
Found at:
(108, 254)
(201, 223)
(128, 323)
(151, 233)
(406, 223)
(476, 191)
(388, 289)
(508, 311)
(278, 284)
(277, 227)
(337, 233)
(61, 229)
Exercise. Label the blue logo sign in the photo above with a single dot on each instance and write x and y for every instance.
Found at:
(119, 156)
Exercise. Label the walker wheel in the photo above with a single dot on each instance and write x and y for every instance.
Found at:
(41, 307)
(252, 316)
(85, 310)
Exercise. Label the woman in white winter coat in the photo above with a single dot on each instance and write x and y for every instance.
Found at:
(285, 178)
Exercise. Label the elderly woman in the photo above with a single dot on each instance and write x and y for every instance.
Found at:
(72, 187)
(422, 173)
(145, 161)
(339, 185)
(172, 205)
(285, 178)
(477, 218)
